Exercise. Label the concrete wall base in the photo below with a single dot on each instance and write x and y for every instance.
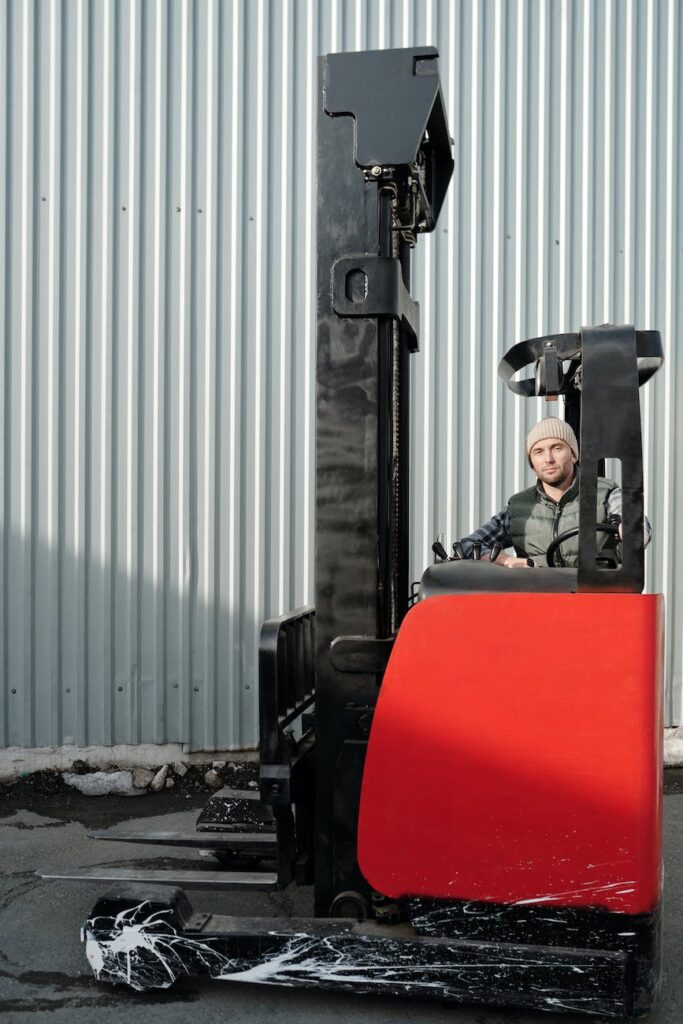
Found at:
(16, 761)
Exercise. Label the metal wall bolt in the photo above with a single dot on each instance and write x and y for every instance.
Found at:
(376, 171)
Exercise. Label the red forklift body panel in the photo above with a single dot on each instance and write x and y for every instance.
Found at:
(516, 753)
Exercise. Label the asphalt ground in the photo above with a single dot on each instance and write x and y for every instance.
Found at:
(44, 975)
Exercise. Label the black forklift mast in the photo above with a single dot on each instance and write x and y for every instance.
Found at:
(384, 164)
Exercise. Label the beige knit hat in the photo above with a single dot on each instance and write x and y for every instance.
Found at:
(552, 427)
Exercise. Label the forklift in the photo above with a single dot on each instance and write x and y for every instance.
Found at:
(474, 827)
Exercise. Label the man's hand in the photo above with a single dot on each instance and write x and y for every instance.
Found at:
(646, 535)
(511, 562)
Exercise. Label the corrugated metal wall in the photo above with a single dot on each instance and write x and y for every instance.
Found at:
(156, 301)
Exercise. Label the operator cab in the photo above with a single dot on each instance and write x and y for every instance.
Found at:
(598, 372)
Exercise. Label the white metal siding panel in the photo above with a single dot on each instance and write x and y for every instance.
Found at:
(157, 314)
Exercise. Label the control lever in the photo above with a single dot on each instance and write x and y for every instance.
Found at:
(459, 551)
(440, 551)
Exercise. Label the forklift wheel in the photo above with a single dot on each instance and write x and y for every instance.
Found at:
(350, 904)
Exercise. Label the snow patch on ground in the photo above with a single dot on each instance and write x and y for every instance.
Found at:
(103, 783)
(673, 747)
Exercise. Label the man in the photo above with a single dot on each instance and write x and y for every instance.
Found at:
(533, 518)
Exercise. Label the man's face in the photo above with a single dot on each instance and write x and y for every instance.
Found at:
(553, 461)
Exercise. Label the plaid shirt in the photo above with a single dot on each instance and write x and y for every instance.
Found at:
(497, 529)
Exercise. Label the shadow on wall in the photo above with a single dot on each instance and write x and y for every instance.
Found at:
(96, 654)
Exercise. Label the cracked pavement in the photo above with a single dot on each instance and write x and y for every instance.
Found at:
(44, 974)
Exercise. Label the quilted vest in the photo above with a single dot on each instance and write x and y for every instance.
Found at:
(535, 520)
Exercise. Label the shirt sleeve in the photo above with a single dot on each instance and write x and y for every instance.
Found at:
(613, 507)
(495, 531)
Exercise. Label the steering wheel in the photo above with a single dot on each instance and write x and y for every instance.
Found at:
(554, 546)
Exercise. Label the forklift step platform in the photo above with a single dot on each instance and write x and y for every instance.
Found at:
(261, 843)
(225, 881)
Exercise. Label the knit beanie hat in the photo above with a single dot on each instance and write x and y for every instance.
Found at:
(552, 427)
